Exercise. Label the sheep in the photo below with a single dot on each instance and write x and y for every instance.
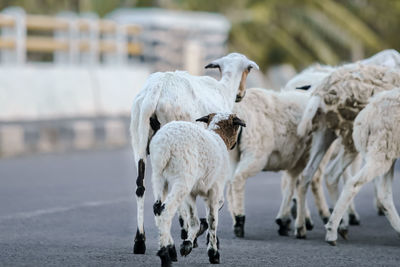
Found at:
(169, 96)
(376, 137)
(191, 161)
(330, 113)
(269, 143)
(308, 80)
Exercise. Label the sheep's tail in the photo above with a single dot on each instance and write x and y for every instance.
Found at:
(306, 121)
(144, 107)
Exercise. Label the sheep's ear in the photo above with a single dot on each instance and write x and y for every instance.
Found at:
(304, 87)
(251, 65)
(212, 65)
(204, 119)
(237, 121)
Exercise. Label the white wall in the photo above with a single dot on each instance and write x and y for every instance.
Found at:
(50, 91)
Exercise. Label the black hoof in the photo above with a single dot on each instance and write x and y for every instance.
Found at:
(332, 243)
(213, 256)
(353, 220)
(284, 226)
(140, 245)
(293, 210)
(325, 220)
(381, 212)
(203, 226)
(164, 256)
(184, 234)
(238, 228)
(172, 252)
(195, 245)
(300, 234)
(186, 248)
(343, 233)
(309, 224)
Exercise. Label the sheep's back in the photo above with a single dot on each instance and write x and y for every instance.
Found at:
(186, 97)
(185, 149)
(347, 91)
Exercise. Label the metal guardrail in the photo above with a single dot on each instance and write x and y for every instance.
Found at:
(24, 33)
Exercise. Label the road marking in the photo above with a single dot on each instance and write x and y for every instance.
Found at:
(41, 212)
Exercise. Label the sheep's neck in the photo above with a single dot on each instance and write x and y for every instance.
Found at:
(232, 80)
(227, 135)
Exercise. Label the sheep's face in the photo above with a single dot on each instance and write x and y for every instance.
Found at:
(231, 65)
(225, 125)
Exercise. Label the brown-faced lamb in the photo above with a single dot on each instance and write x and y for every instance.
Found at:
(191, 161)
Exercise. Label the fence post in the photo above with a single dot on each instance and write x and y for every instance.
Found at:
(92, 56)
(122, 42)
(18, 32)
(71, 34)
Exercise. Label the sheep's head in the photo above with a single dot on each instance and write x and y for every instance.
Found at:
(309, 78)
(225, 125)
(233, 64)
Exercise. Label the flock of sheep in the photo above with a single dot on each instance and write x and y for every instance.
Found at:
(327, 122)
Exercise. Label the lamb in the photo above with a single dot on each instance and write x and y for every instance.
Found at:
(191, 161)
(331, 112)
(376, 137)
(269, 143)
(170, 96)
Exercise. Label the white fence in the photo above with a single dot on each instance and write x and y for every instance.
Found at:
(69, 38)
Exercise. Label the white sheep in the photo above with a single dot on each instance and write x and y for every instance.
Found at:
(170, 96)
(331, 111)
(309, 79)
(269, 143)
(376, 137)
(191, 161)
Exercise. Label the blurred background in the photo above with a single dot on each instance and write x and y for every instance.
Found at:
(69, 69)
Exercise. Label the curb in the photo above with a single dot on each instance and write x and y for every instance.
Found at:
(48, 136)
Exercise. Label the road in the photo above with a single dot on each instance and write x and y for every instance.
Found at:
(79, 209)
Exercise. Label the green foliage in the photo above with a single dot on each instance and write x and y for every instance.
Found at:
(275, 31)
(305, 31)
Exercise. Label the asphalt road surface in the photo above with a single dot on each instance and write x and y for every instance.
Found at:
(79, 209)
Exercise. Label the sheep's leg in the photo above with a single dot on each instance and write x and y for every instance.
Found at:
(194, 225)
(183, 221)
(385, 196)
(354, 218)
(309, 222)
(140, 238)
(288, 183)
(316, 183)
(334, 171)
(247, 167)
(374, 166)
(164, 212)
(212, 239)
(321, 142)
(378, 205)
(319, 197)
